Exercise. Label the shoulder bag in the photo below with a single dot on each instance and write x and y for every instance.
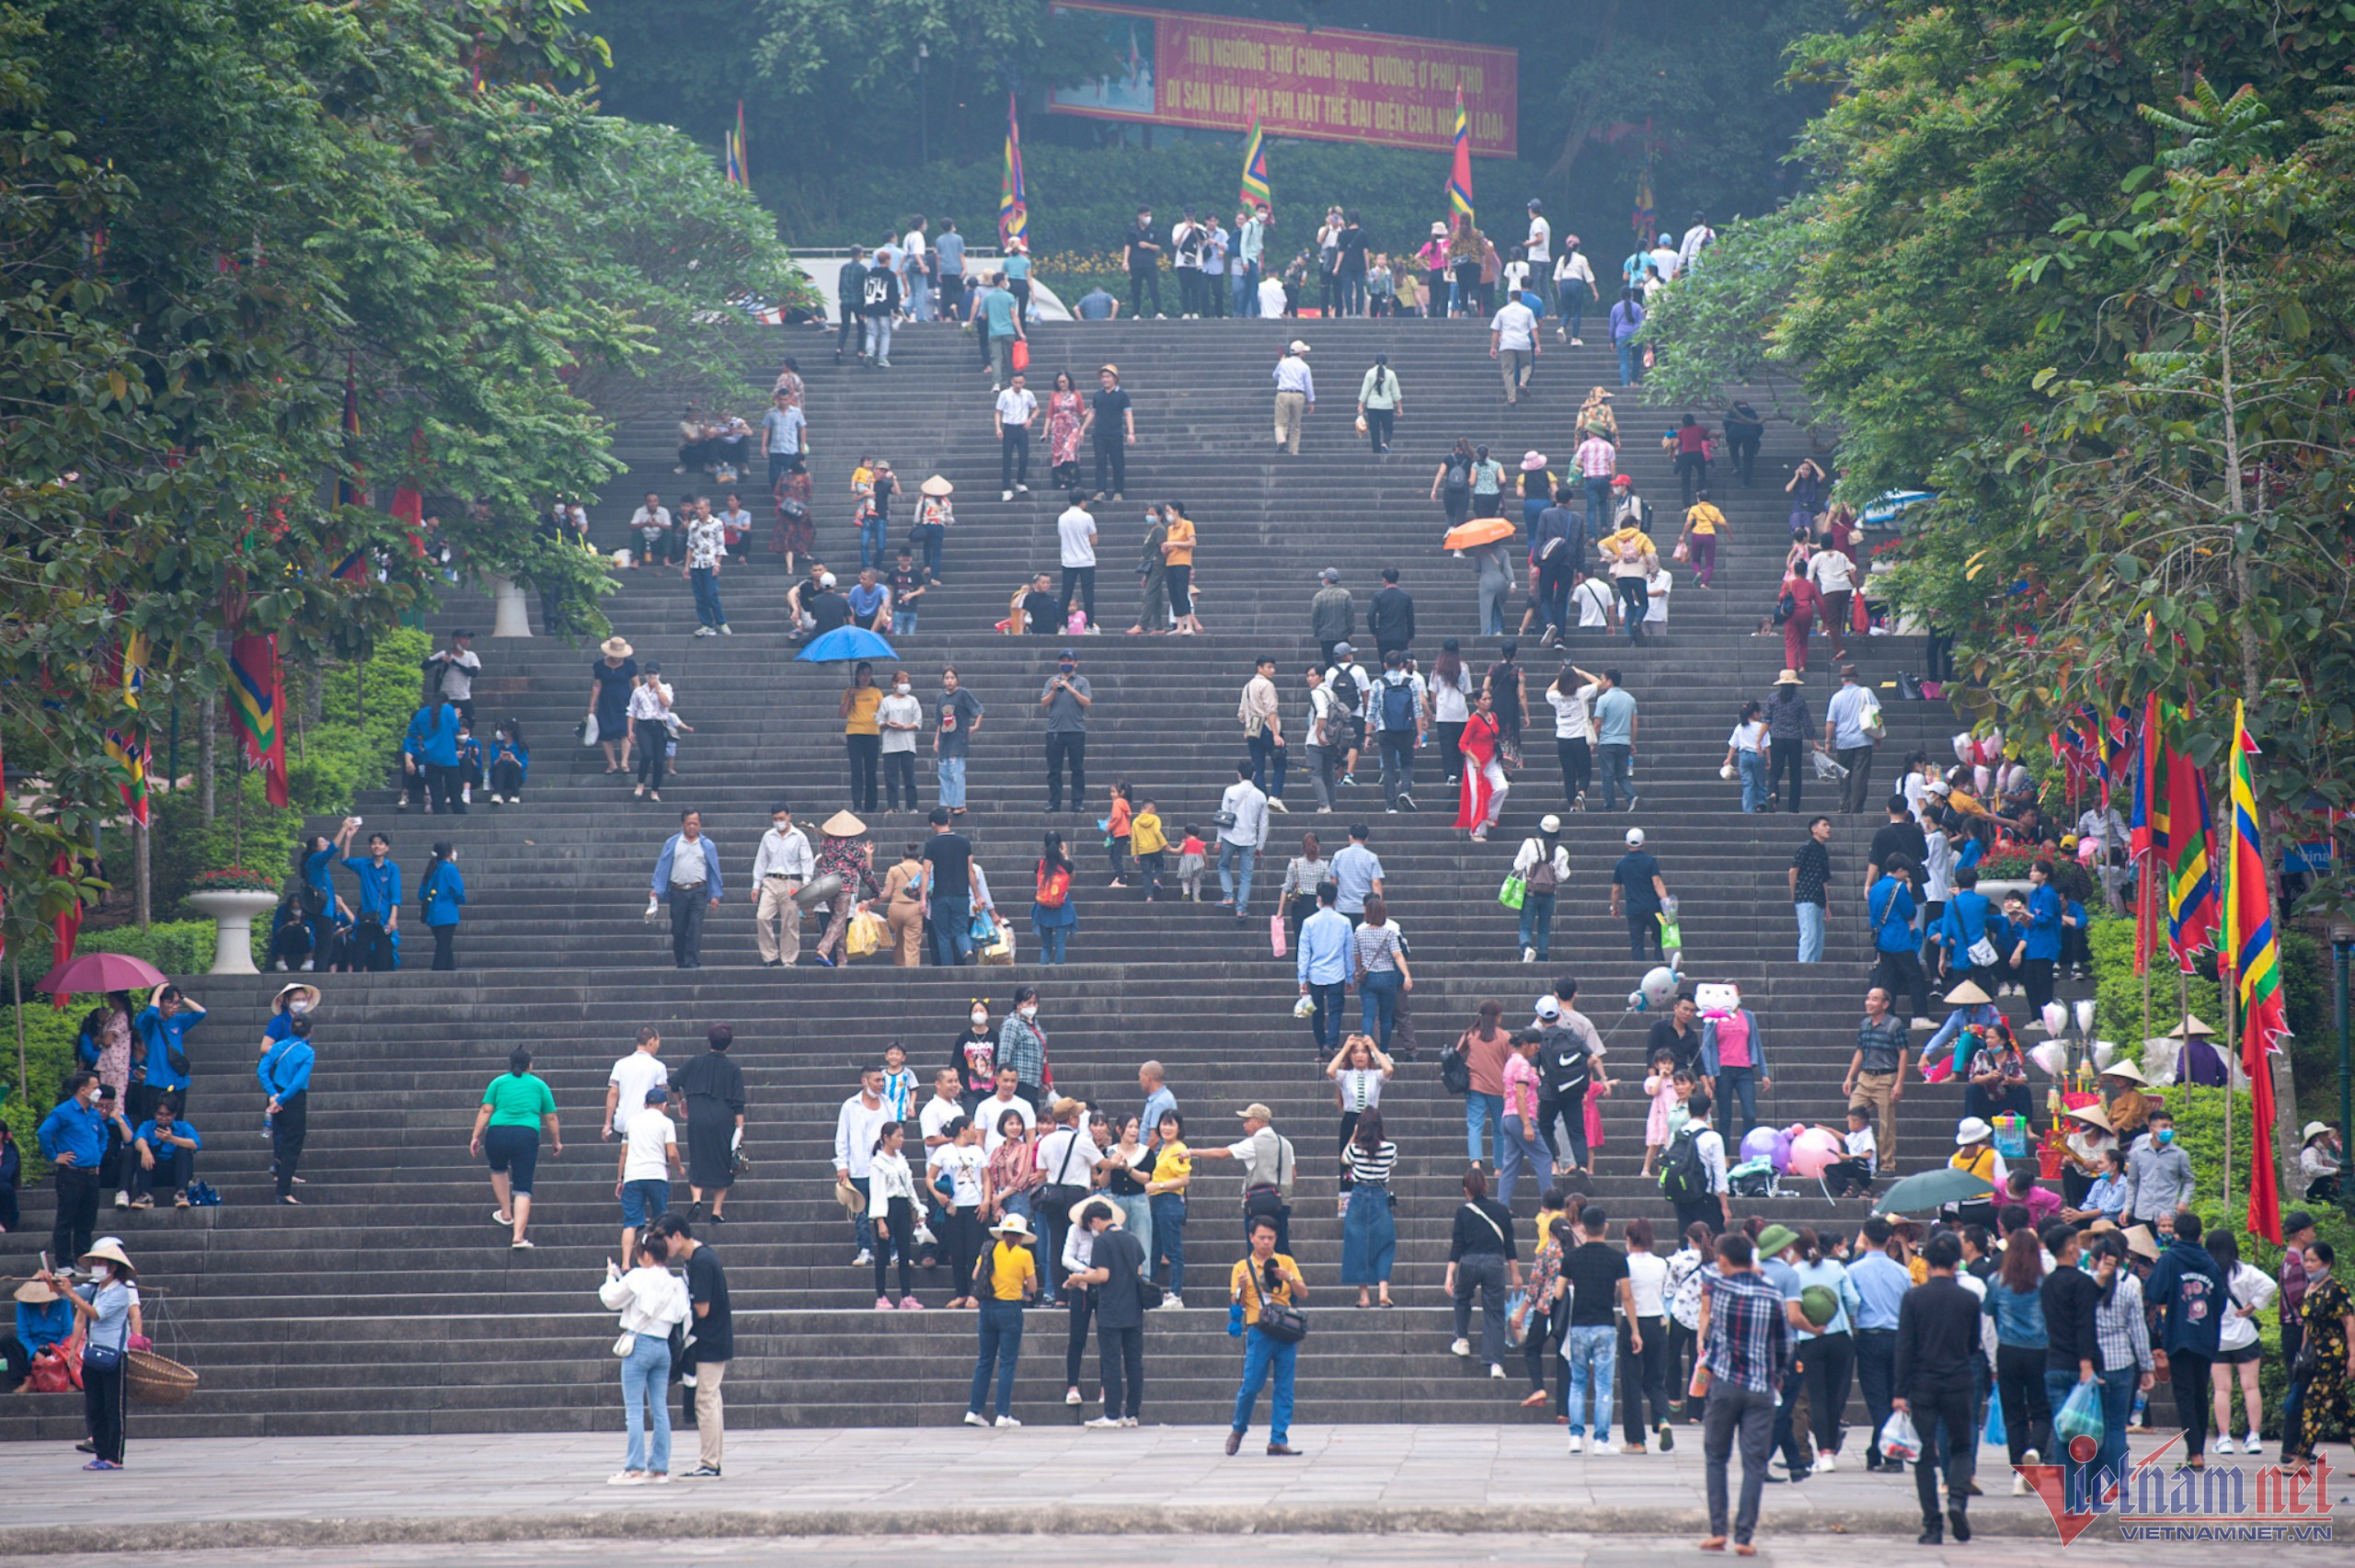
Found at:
(1279, 1321)
(1058, 1195)
(1455, 1071)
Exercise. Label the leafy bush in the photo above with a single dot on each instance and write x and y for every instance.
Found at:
(48, 1057)
(2117, 990)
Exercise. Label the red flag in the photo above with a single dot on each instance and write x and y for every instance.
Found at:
(68, 926)
(258, 707)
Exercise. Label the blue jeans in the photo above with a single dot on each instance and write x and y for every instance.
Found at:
(952, 782)
(1378, 1002)
(706, 583)
(1247, 289)
(644, 1202)
(871, 531)
(1739, 1084)
(1002, 1349)
(952, 935)
(1234, 862)
(1261, 1355)
(925, 539)
(1517, 1149)
(1537, 923)
(1267, 761)
(1574, 297)
(1598, 510)
(1052, 939)
(1481, 1111)
(1324, 1022)
(2116, 1405)
(1591, 1349)
(1631, 362)
(1169, 1240)
(1753, 779)
(1615, 762)
(1810, 932)
(646, 1375)
(878, 340)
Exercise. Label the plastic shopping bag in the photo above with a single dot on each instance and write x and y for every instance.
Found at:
(1514, 893)
(2080, 1414)
(1899, 1441)
(1276, 932)
(868, 933)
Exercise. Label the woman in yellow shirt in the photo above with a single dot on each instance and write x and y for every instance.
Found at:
(1173, 1168)
(1177, 558)
(862, 736)
(1005, 1278)
(1703, 523)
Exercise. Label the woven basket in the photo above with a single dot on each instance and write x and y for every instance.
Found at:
(150, 1378)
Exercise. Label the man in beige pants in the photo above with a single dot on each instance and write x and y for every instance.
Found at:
(1876, 1077)
(1295, 395)
(781, 868)
(711, 1340)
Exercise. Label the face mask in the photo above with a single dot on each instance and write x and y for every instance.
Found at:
(899, 688)
(102, 1272)
(1029, 1010)
(1067, 669)
(981, 1020)
(2165, 1134)
(298, 1007)
(781, 823)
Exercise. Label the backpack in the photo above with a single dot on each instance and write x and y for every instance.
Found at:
(1681, 1174)
(1398, 705)
(1053, 885)
(1459, 474)
(1542, 876)
(1346, 690)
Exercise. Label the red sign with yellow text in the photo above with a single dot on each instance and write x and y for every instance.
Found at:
(1216, 74)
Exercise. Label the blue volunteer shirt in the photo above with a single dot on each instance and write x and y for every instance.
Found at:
(288, 1071)
(2043, 922)
(380, 887)
(447, 891)
(1892, 912)
(436, 728)
(76, 1130)
(179, 1130)
(163, 1036)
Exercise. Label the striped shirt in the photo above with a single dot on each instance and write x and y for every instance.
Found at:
(1597, 459)
(2121, 1329)
(1360, 1088)
(1370, 1169)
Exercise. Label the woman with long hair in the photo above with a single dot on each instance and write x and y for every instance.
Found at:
(2251, 1291)
(1746, 749)
(1451, 691)
(891, 1204)
(1379, 402)
(651, 1301)
(441, 893)
(1573, 732)
(508, 763)
(2015, 1300)
(862, 734)
(1380, 962)
(1298, 894)
(1828, 1355)
(1128, 1173)
(1053, 915)
(516, 1108)
(1358, 1070)
(1153, 578)
(1481, 798)
(1507, 688)
(1066, 409)
(103, 1043)
(1369, 1230)
(1452, 485)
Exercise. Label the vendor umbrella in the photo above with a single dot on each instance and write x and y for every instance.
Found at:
(1933, 1190)
(1479, 531)
(100, 972)
(844, 645)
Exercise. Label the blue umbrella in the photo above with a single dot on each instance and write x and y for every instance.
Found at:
(845, 644)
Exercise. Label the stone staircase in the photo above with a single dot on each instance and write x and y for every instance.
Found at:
(389, 1302)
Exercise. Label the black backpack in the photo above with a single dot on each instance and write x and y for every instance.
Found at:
(1346, 691)
(1682, 1177)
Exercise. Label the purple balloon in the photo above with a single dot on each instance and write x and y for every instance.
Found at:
(1758, 1143)
(1782, 1154)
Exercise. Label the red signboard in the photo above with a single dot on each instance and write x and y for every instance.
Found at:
(1215, 73)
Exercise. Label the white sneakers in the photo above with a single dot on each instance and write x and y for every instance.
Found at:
(1070, 1396)
(1578, 1443)
(1170, 1304)
(1104, 1422)
(1497, 1370)
(1460, 1347)
(1007, 1420)
(976, 1418)
(1826, 1462)
(2222, 1446)
(1529, 955)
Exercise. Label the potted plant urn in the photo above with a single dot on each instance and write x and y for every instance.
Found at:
(232, 898)
(511, 614)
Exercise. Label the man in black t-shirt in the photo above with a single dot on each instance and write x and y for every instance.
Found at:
(1811, 877)
(711, 1341)
(1111, 426)
(949, 891)
(1900, 838)
(1597, 1273)
(1041, 611)
(1120, 1314)
(1636, 891)
(1142, 249)
(1678, 1035)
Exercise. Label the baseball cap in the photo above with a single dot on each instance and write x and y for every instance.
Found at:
(1635, 837)
(1549, 1006)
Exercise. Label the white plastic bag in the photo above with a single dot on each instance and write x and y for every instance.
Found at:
(1899, 1441)
(588, 730)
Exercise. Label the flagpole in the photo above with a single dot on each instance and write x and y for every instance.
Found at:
(2230, 1061)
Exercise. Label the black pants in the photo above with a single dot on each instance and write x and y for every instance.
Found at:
(1120, 1360)
(1081, 1305)
(1781, 757)
(1143, 282)
(899, 778)
(1112, 460)
(1831, 1362)
(900, 1215)
(1398, 766)
(1876, 1355)
(2187, 1377)
(506, 778)
(1704, 1209)
(1380, 423)
(2035, 978)
(2028, 1412)
(1901, 974)
(1572, 1117)
(77, 1215)
(1081, 579)
(687, 907)
(1643, 1377)
(653, 758)
(866, 764)
(847, 334)
(1014, 457)
(290, 1128)
(1949, 1409)
(1070, 748)
(102, 1408)
(372, 946)
(445, 940)
(1578, 768)
(1744, 452)
(1643, 931)
(174, 1167)
(443, 793)
(1541, 1346)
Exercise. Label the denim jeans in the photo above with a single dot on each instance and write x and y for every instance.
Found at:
(1810, 917)
(1247, 289)
(706, 583)
(1378, 1004)
(1537, 923)
(1053, 940)
(1518, 1150)
(1598, 510)
(952, 782)
(1734, 1410)
(1267, 762)
(952, 933)
(1324, 1022)
(2116, 1405)
(1481, 1111)
(1753, 779)
(1234, 862)
(1262, 1356)
(1631, 363)
(1591, 1349)
(1001, 1348)
(925, 539)
(1739, 1084)
(1168, 1241)
(1614, 761)
(646, 1375)
(879, 341)
(871, 532)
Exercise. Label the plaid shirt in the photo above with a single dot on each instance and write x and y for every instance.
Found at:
(2122, 1328)
(1597, 459)
(1749, 1333)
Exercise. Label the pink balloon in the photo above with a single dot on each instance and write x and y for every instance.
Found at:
(1812, 1150)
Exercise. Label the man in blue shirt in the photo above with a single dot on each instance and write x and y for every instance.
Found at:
(380, 899)
(1615, 740)
(1881, 1280)
(781, 435)
(1897, 964)
(1324, 942)
(285, 1074)
(1357, 871)
(2037, 947)
(1849, 720)
(687, 878)
(162, 1028)
(74, 1136)
(948, 256)
(166, 1150)
(1001, 316)
(435, 752)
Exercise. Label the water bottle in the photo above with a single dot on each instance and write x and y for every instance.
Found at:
(2140, 1399)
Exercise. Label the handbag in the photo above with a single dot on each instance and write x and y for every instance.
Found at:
(1514, 892)
(981, 928)
(1279, 1321)
(101, 1358)
(625, 1344)
(1019, 355)
(588, 730)
(1454, 1069)
(1983, 955)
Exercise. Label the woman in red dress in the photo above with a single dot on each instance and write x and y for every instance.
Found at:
(797, 524)
(1484, 789)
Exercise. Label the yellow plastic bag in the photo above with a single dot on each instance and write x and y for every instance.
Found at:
(868, 933)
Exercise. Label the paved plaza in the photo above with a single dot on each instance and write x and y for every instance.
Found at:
(787, 1494)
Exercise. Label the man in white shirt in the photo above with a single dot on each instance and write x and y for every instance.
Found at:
(1395, 709)
(1295, 395)
(783, 863)
(1698, 236)
(992, 1111)
(1512, 343)
(941, 1109)
(459, 665)
(1596, 601)
(651, 523)
(649, 1157)
(1663, 259)
(1835, 577)
(916, 293)
(1273, 302)
(1185, 240)
(1016, 411)
(1574, 290)
(1242, 833)
(1217, 242)
(1539, 248)
(631, 1078)
(1076, 532)
(856, 1129)
(1656, 589)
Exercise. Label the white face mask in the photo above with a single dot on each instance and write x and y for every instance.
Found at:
(1029, 1010)
(981, 1020)
(102, 1272)
(899, 688)
(782, 823)
(298, 1007)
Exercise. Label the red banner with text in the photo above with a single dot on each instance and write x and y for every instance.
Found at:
(1214, 73)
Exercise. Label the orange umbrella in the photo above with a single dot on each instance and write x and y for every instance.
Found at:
(1479, 531)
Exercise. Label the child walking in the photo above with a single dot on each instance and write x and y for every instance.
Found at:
(1192, 856)
(1116, 832)
(1660, 1084)
(1149, 840)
